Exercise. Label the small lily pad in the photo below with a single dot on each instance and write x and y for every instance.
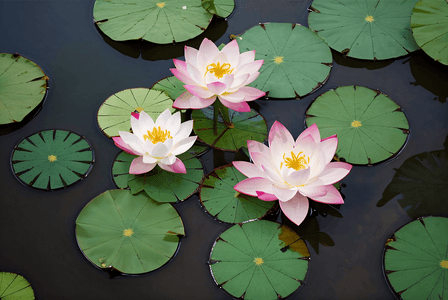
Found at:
(366, 29)
(130, 233)
(171, 86)
(15, 287)
(52, 159)
(429, 23)
(246, 126)
(162, 186)
(157, 21)
(416, 259)
(23, 86)
(115, 113)
(296, 60)
(259, 260)
(370, 127)
(222, 8)
(224, 203)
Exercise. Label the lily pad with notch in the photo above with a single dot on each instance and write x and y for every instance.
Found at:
(129, 233)
(160, 22)
(115, 113)
(246, 126)
(52, 159)
(15, 287)
(367, 29)
(416, 259)
(221, 8)
(171, 86)
(370, 127)
(260, 260)
(224, 203)
(23, 86)
(296, 60)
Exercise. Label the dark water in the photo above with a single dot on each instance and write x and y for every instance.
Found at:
(37, 236)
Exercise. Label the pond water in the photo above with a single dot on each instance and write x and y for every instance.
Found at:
(37, 228)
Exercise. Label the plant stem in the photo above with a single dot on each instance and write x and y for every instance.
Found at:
(218, 107)
(215, 117)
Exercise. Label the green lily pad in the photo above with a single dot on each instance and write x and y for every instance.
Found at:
(224, 203)
(260, 260)
(52, 159)
(157, 21)
(246, 126)
(222, 8)
(15, 287)
(416, 259)
(115, 113)
(296, 60)
(160, 185)
(131, 233)
(23, 86)
(171, 86)
(369, 125)
(429, 23)
(366, 29)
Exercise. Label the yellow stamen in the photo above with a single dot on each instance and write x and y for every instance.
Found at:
(278, 59)
(161, 4)
(296, 162)
(444, 264)
(139, 109)
(157, 135)
(52, 158)
(258, 261)
(369, 19)
(128, 232)
(356, 123)
(219, 70)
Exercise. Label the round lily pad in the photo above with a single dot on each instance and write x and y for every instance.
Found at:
(296, 60)
(157, 21)
(171, 86)
(15, 287)
(52, 159)
(224, 203)
(23, 86)
(130, 233)
(366, 29)
(115, 113)
(160, 185)
(260, 260)
(429, 23)
(222, 8)
(416, 259)
(370, 127)
(246, 126)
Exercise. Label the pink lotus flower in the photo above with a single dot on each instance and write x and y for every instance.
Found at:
(209, 73)
(291, 171)
(156, 143)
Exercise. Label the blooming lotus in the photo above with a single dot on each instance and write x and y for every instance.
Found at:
(293, 171)
(209, 73)
(156, 143)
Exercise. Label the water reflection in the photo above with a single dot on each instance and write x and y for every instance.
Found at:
(343, 60)
(420, 184)
(152, 51)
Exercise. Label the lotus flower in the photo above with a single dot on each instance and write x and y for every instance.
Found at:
(291, 171)
(209, 73)
(156, 143)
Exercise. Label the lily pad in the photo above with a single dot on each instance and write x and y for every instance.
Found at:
(115, 113)
(366, 29)
(369, 125)
(52, 159)
(416, 259)
(15, 287)
(224, 203)
(130, 233)
(259, 260)
(246, 126)
(429, 23)
(160, 22)
(296, 60)
(222, 8)
(171, 86)
(23, 86)
(162, 186)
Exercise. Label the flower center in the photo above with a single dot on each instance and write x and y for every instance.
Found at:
(139, 109)
(444, 264)
(356, 124)
(52, 158)
(219, 70)
(258, 261)
(128, 232)
(369, 19)
(157, 135)
(296, 162)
